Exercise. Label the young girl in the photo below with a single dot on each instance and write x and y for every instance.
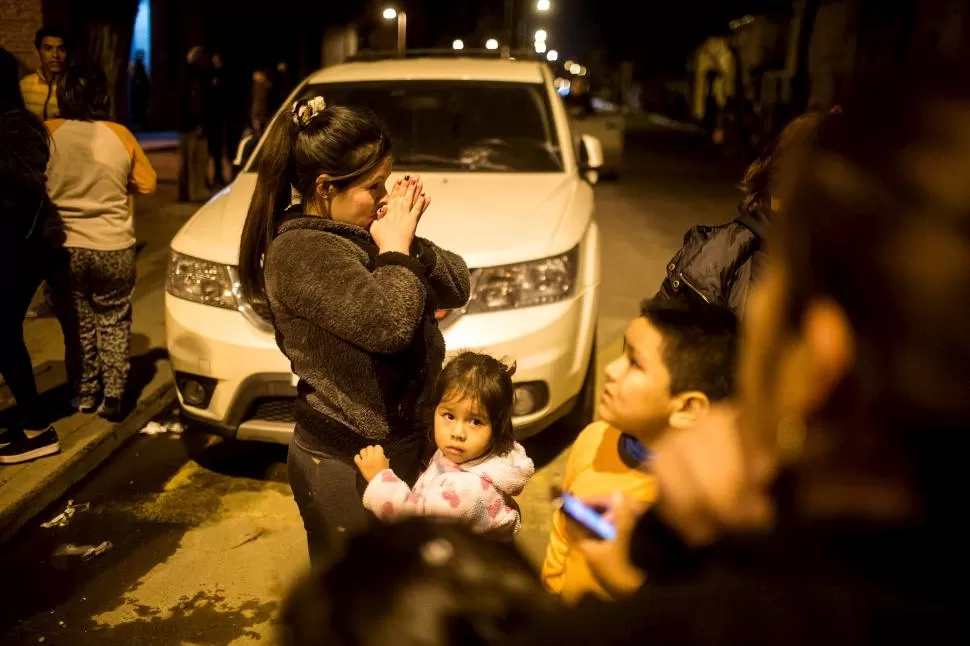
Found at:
(478, 466)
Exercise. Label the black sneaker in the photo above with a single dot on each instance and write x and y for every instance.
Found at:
(31, 448)
(11, 435)
(111, 409)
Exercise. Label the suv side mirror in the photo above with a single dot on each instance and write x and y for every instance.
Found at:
(590, 157)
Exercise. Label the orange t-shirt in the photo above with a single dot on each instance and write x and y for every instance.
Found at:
(594, 468)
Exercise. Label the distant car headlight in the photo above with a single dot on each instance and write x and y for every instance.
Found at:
(200, 281)
(527, 284)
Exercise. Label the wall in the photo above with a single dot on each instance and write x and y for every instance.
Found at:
(19, 21)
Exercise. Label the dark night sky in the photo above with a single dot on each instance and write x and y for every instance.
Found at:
(657, 35)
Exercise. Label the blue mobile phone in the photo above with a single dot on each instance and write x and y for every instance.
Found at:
(588, 517)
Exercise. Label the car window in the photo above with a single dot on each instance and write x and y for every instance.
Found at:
(458, 125)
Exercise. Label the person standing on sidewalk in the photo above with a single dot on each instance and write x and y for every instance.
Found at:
(95, 164)
(193, 148)
(40, 88)
(24, 209)
(215, 119)
(39, 92)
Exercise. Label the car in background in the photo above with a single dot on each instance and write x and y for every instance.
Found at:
(511, 184)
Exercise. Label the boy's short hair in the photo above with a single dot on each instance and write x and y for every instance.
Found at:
(699, 345)
(49, 32)
(420, 582)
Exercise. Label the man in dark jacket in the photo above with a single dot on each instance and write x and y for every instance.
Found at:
(717, 264)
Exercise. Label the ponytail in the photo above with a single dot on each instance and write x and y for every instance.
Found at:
(274, 179)
(309, 140)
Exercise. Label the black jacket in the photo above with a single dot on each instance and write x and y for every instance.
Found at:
(718, 263)
(359, 328)
(24, 204)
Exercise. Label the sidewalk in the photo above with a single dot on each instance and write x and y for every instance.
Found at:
(87, 440)
(157, 141)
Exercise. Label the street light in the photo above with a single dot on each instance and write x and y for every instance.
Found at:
(390, 13)
(540, 47)
(543, 6)
(574, 69)
(568, 64)
(458, 44)
(552, 56)
(491, 43)
(541, 35)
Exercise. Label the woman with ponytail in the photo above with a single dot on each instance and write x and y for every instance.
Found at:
(333, 258)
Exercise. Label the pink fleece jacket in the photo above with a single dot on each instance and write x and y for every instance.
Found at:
(478, 493)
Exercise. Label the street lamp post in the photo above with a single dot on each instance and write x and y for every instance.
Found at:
(402, 28)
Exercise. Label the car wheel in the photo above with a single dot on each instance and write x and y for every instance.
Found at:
(582, 413)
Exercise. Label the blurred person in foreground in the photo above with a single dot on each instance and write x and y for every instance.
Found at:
(416, 583)
(677, 362)
(95, 166)
(24, 211)
(830, 507)
(40, 88)
(717, 264)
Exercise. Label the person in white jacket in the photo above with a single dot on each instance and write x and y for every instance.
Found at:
(478, 467)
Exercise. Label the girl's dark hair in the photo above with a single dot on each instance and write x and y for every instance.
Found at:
(83, 95)
(761, 176)
(420, 582)
(343, 142)
(878, 220)
(486, 379)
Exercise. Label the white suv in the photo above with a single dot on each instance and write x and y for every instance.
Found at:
(511, 194)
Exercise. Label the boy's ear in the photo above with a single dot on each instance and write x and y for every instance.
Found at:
(688, 408)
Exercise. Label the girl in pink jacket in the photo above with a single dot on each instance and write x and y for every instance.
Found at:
(478, 466)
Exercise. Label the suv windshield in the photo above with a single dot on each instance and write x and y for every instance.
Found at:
(458, 125)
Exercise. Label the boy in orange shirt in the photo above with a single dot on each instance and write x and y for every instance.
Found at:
(678, 360)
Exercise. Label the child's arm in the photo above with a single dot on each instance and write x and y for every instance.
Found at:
(447, 274)
(553, 568)
(390, 498)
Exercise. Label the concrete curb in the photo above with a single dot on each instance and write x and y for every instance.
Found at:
(19, 507)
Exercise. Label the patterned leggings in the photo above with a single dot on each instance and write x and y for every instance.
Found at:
(94, 292)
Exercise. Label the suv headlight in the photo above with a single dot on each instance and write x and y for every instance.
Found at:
(200, 281)
(526, 284)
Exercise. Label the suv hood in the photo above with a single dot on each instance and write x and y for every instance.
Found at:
(487, 218)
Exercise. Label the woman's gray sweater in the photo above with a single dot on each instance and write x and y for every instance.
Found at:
(359, 329)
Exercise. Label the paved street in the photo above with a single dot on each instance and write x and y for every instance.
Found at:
(205, 535)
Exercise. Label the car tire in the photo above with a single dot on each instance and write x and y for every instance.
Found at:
(582, 413)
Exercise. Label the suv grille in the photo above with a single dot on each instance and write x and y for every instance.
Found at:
(272, 409)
